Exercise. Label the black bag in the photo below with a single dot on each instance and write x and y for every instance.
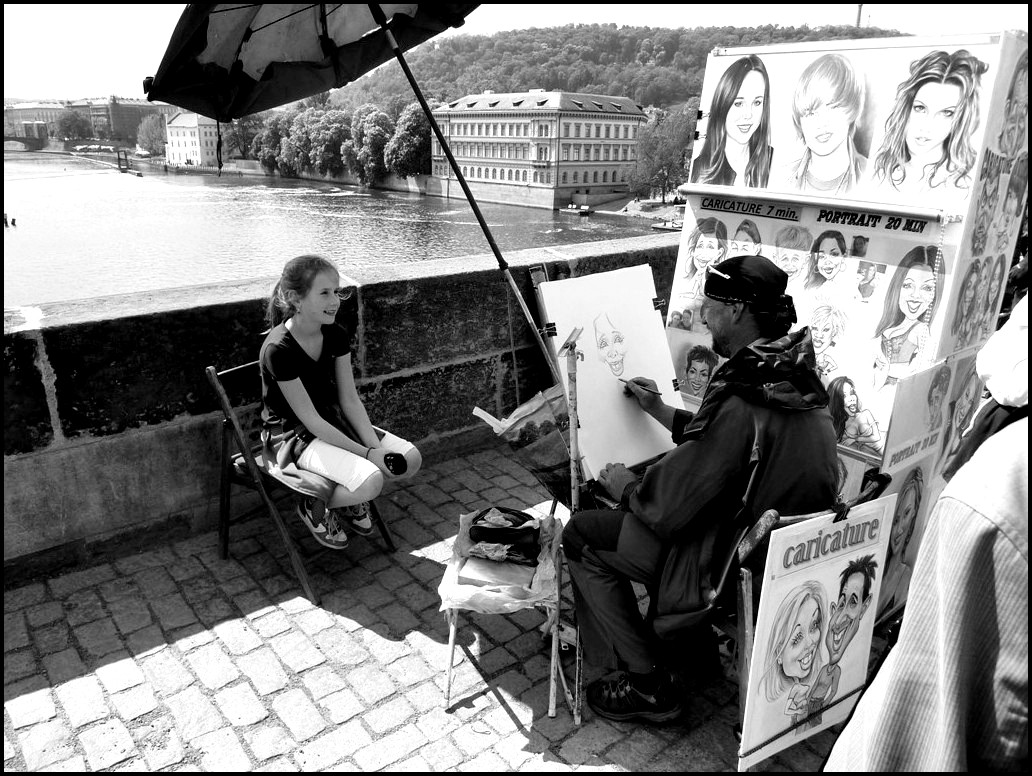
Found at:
(503, 534)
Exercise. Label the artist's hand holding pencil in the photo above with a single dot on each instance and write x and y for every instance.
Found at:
(647, 393)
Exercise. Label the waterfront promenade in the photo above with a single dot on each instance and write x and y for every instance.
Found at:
(171, 659)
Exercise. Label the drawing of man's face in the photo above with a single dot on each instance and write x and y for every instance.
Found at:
(966, 404)
(825, 129)
(746, 111)
(983, 217)
(791, 261)
(917, 292)
(931, 118)
(611, 345)
(935, 405)
(830, 259)
(707, 250)
(845, 616)
(697, 377)
(797, 658)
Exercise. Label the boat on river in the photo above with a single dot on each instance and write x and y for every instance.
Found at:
(573, 210)
(672, 224)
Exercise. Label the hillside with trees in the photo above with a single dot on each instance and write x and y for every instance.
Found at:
(654, 67)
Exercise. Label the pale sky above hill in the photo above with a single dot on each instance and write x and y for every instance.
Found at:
(97, 50)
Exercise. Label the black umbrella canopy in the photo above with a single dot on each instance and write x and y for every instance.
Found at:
(225, 61)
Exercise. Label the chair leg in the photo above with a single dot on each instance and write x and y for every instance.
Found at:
(554, 668)
(745, 639)
(380, 524)
(453, 619)
(224, 491)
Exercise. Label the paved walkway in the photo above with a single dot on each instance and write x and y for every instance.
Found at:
(172, 659)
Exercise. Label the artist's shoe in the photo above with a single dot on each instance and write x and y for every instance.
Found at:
(356, 516)
(618, 699)
(323, 524)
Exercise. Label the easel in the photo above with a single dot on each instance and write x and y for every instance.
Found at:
(569, 349)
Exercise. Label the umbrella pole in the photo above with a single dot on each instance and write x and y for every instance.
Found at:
(381, 19)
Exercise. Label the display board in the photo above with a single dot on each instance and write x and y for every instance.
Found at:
(887, 177)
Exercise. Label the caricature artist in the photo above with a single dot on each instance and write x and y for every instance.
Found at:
(762, 438)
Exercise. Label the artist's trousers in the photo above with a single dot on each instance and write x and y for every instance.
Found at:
(605, 551)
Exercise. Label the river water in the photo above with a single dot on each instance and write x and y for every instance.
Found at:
(85, 231)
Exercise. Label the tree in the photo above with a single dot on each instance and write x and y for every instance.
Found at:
(664, 144)
(371, 128)
(408, 151)
(240, 134)
(73, 125)
(266, 144)
(328, 135)
(150, 136)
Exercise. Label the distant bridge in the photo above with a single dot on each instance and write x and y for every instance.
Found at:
(26, 143)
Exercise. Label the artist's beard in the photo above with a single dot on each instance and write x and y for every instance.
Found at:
(721, 348)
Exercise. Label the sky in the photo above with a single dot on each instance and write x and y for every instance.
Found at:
(97, 50)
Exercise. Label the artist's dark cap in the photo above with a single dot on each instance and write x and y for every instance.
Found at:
(751, 279)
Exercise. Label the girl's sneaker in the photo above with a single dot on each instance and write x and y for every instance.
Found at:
(356, 516)
(323, 524)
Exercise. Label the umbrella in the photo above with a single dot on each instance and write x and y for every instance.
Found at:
(226, 61)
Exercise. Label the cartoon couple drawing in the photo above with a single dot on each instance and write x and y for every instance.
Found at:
(794, 664)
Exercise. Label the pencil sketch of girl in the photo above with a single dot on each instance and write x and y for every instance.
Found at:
(612, 349)
(896, 580)
(827, 259)
(1012, 133)
(706, 244)
(793, 656)
(828, 100)
(737, 149)
(903, 332)
(827, 324)
(747, 240)
(927, 143)
(854, 426)
(966, 314)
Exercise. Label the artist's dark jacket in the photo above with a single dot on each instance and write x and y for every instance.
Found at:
(762, 439)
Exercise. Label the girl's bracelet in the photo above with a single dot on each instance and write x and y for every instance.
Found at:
(367, 452)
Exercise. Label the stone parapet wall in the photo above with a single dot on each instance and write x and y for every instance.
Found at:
(111, 428)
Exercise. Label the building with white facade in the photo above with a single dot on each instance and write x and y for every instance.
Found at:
(546, 149)
(191, 139)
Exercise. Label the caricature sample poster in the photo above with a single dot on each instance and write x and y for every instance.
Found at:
(622, 338)
(814, 625)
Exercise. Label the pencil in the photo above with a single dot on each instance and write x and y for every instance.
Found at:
(643, 387)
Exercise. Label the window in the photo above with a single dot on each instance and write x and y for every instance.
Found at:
(625, 153)
(535, 176)
(566, 130)
(605, 154)
(576, 153)
(605, 177)
(564, 177)
(524, 176)
(574, 176)
(607, 131)
(494, 173)
(576, 130)
(566, 153)
(510, 174)
(594, 178)
(625, 133)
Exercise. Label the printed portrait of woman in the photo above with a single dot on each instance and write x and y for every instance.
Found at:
(705, 245)
(899, 567)
(866, 280)
(903, 333)
(1012, 134)
(966, 314)
(828, 101)
(988, 196)
(928, 135)
(963, 406)
(1011, 207)
(747, 240)
(611, 344)
(698, 369)
(793, 655)
(827, 262)
(854, 426)
(937, 395)
(827, 324)
(737, 149)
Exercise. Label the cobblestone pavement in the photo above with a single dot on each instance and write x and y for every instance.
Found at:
(172, 659)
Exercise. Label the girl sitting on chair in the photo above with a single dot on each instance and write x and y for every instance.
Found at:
(308, 390)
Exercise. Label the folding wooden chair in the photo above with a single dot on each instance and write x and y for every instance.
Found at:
(247, 467)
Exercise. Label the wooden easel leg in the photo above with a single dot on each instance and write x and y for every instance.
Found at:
(382, 526)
